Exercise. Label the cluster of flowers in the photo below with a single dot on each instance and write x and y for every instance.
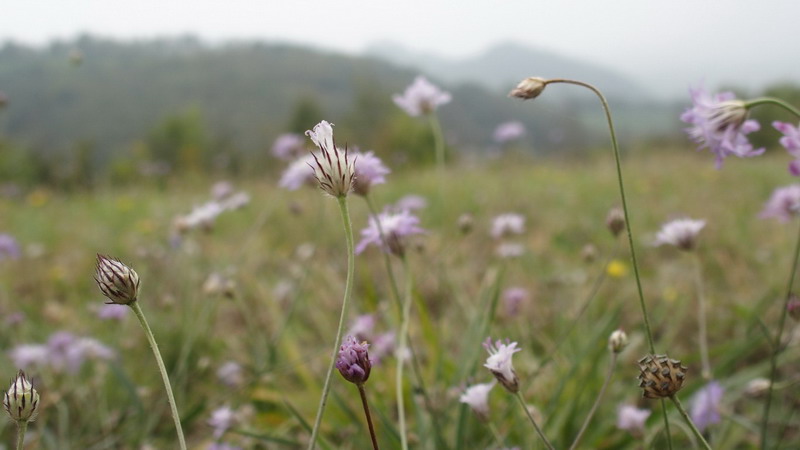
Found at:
(224, 198)
(63, 352)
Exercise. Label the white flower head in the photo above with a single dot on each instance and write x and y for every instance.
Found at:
(500, 364)
(507, 224)
(334, 171)
(477, 397)
(681, 233)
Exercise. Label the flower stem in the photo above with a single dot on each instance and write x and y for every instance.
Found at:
(348, 287)
(496, 434)
(392, 280)
(597, 401)
(776, 349)
(438, 141)
(689, 422)
(401, 350)
(772, 101)
(363, 392)
(161, 368)
(535, 426)
(701, 317)
(22, 427)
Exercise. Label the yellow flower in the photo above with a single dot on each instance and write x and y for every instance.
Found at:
(617, 269)
(38, 198)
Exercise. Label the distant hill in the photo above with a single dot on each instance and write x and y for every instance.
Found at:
(502, 66)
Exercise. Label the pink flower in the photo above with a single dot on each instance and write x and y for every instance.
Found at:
(509, 131)
(421, 97)
(507, 224)
(513, 298)
(396, 228)
(299, 173)
(783, 204)
(288, 146)
(632, 419)
(369, 172)
(222, 419)
(353, 361)
(500, 364)
(791, 142)
(681, 233)
(477, 397)
(706, 405)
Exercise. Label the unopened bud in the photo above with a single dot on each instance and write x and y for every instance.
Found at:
(116, 281)
(617, 341)
(353, 361)
(529, 88)
(615, 221)
(21, 400)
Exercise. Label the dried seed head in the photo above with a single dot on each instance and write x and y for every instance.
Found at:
(615, 221)
(617, 341)
(660, 376)
(116, 281)
(21, 400)
(529, 88)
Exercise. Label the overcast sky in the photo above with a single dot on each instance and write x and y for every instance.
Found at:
(666, 44)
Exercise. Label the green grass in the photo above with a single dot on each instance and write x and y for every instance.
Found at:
(282, 318)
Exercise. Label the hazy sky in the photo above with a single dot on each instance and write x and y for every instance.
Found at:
(667, 44)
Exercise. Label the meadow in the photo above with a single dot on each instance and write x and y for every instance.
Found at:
(245, 309)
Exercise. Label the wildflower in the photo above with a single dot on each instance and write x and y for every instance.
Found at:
(299, 173)
(477, 397)
(706, 405)
(221, 190)
(615, 221)
(513, 298)
(117, 281)
(65, 351)
(660, 376)
(396, 228)
(791, 142)
(720, 124)
(529, 88)
(26, 356)
(9, 248)
(288, 146)
(382, 345)
(219, 284)
(465, 223)
(617, 269)
(507, 224)
(681, 233)
(369, 172)
(509, 131)
(21, 400)
(632, 419)
(589, 253)
(783, 204)
(500, 364)
(509, 250)
(222, 419)
(111, 311)
(230, 374)
(333, 169)
(410, 202)
(617, 341)
(353, 361)
(757, 387)
(222, 446)
(362, 327)
(421, 97)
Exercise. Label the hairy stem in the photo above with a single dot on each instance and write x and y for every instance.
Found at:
(161, 368)
(597, 401)
(689, 422)
(363, 392)
(22, 427)
(348, 231)
(772, 101)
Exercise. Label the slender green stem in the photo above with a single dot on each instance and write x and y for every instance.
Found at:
(628, 227)
(772, 101)
(438, 140)
(363, 392)
(776, 348)
(497, 436)
(392, 280)
(348, 288)
(401, 350)
(530, 417)
(701, 316)
(597, 401)
(161, 368)
(666, 423)
(22, 427)
(689, 422)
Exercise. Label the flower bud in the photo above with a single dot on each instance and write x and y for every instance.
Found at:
(529, 88)
(660, 376)
(334, 170)
(116, 281)
(353, 361)
(615, 221)
(21, 400)
(617, 341)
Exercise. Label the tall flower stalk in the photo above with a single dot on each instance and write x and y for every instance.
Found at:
(707, 374)
(402, 354)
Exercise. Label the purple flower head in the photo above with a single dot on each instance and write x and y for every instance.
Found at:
(783, 204)
(9, 248)
(509, 131)
(421, 97)
(112, 311)
(720, 124)
(223, 446)
(791, 142)
(681, 233)
(362, 327)
(477, 397)
(513, 298)
(230, 374)
(299, 172)
(369, 172)
(507, 224)
(500, 364)
(27, 356)
(395, 227)
(353, 361)
(288, 146)
(632, 419)
(222, 419)
(333, 169)
(382, 345)
(706, 405)
(67, 352)
(410, 202)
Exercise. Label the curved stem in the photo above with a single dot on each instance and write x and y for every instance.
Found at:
(401, 355)
(161, 368)
(363, 392)
(772, 101)
(348, 231)
(496, 434)
(22, 426)
(689, 422)
(597, 401)
(776, 349)
(535, 426)
(701, 316)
